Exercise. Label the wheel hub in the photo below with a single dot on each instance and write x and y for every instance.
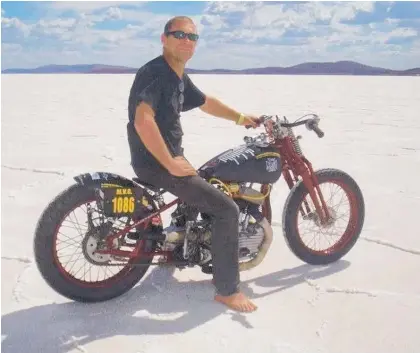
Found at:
(91, 244)
(332, 217)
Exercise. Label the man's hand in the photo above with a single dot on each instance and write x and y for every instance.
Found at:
(249, 120)
(180, 167)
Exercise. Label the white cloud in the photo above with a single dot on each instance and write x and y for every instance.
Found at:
(402, 33)
(79, 30)
(268, 17)
(113, 13)
(12, 22)
(215, 22)
(265, 15)
(216, 7)
(90, 6)
(349, 11)
(257, 21)
(136, 15)
(14, 28)
(11, 48)
(54, 27)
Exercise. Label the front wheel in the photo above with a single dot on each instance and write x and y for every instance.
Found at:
(340, 233)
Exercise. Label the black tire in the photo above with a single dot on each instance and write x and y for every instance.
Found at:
(51, 270)
(353, 230)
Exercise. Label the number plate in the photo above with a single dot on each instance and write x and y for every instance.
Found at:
(123, 201)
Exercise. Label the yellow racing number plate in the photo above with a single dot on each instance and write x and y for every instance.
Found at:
(123, 201)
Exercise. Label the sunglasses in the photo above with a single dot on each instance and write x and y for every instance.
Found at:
(181, 35)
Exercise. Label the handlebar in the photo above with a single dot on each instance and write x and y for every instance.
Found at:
(310, 123)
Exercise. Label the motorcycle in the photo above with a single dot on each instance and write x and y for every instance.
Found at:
(124, 228)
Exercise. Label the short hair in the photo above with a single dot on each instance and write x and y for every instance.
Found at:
(169, 24)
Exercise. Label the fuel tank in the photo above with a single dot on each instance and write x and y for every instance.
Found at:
(245, 163)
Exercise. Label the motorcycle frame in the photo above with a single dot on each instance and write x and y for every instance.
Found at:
(294, 165)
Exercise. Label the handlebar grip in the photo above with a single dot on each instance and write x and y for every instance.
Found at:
(318, 131)
(313, 125)
(259, 122)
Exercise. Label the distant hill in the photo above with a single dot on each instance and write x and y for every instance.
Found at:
(310, 68)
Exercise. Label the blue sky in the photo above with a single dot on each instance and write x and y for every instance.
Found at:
(233, 34)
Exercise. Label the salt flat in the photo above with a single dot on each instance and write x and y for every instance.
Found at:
(56, 126)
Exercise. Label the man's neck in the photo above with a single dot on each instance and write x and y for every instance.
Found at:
(177, 66)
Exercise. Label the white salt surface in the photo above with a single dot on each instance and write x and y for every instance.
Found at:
(56, 126)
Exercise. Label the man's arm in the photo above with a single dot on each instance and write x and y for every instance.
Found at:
(215, 107)
(150, 135)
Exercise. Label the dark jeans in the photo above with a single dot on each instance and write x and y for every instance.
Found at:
(195, 191)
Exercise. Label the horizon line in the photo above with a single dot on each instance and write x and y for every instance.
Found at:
(220, 68)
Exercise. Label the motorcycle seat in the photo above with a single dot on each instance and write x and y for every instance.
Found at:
(146, 185)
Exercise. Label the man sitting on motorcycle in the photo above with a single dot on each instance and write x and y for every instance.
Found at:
(160, 92)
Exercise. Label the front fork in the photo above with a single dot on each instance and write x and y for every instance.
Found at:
(304, 168)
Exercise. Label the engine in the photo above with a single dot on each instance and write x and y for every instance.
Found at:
(190, 239)
(250, 240)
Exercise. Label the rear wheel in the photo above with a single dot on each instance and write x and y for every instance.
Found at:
(342, 231)
(82, 274)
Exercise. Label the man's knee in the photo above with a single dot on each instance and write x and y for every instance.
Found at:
(229, 209)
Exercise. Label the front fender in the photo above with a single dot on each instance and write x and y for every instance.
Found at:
(98, 179)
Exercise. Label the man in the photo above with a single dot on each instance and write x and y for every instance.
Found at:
(160, 91)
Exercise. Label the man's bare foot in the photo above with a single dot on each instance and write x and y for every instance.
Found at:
(237, 301)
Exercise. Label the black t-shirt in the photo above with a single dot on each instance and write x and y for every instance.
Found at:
(158, 85)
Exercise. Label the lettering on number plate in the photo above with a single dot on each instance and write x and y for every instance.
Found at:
(123, 201)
